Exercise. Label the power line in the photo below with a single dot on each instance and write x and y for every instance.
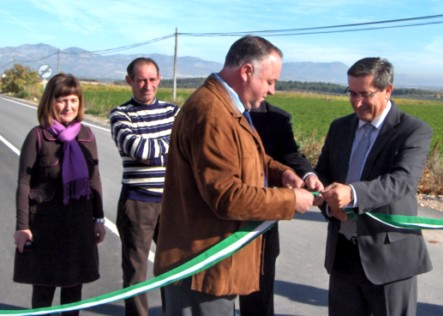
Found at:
(109, 50)
(117, 49)
(298, 31)
(38, 59)
(341, 28)
(356, 29)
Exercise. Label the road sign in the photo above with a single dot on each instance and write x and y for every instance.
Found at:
(45, 71)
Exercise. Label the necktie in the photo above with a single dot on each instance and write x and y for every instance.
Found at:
(358, 157)
(248, 117)
(349, 227)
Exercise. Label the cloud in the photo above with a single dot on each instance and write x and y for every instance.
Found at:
(11, 21)
(435, 46)
(76, 17)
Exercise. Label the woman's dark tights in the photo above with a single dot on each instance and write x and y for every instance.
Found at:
(42, 296)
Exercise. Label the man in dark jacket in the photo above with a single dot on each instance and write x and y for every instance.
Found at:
(372, 161)
(275, 129)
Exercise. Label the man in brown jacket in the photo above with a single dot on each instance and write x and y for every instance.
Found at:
(216, 181)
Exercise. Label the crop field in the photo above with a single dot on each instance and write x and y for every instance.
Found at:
(311, 113)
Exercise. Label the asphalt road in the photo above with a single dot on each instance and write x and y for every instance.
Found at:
(301, 281)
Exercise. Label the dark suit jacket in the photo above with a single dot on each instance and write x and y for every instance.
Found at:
(388, 185)
(275, 129)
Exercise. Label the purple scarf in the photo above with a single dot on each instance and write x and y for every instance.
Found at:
(75, 175)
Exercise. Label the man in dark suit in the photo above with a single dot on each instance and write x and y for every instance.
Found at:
(275, 129)
(373, 266)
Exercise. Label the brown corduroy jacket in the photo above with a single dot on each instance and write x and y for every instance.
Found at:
(214, 186)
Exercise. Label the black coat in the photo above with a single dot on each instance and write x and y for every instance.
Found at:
(275, 129)
(64, 249)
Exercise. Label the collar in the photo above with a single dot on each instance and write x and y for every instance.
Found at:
(378, 121)
(231, 92)
(140, 103)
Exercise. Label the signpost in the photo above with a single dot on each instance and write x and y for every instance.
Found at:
(45, 71)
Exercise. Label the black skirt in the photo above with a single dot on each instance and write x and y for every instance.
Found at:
(64, 250)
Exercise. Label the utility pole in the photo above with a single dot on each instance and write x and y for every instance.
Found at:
(174, 71)
(58, 60)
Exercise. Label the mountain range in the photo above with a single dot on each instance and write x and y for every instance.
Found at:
(87, 65)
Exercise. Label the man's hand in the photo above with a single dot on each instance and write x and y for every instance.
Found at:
(290, 180)
(313, 183)
(338, 213)
(303, 200)
(337, 195)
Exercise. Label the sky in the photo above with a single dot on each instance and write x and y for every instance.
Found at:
(98, 25)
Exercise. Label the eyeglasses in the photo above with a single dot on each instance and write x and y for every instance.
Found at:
(360, 96)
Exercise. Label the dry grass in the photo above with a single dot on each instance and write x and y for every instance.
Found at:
(431, 181)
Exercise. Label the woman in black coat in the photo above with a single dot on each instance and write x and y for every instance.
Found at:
(60, 217)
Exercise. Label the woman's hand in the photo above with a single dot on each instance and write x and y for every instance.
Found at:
(21, 237)
(100, 232)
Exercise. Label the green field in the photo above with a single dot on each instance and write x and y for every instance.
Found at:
(312, 113)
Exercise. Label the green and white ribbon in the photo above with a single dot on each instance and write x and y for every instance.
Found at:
(407, 222)
(402, 221)
(213, 255)
(210, 257)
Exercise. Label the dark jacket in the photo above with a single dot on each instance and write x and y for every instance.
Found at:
(275, 129)
(388, 185)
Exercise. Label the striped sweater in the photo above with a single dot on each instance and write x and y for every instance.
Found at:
(142, 134)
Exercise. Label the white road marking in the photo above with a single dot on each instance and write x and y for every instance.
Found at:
(108, 223)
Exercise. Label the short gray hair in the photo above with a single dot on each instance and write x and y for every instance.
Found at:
(250, 49)
(381, 69)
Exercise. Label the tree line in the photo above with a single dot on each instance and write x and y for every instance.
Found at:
(317, 87)
(19, 78)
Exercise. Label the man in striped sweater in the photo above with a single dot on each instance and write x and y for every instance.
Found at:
(141, 129)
